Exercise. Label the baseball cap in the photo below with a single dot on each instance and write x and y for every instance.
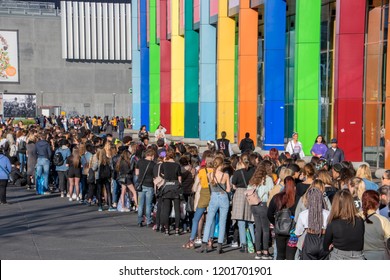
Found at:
(334, 140)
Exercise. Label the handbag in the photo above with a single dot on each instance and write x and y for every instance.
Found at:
(159, 181)
(91, 176)
(252, 197)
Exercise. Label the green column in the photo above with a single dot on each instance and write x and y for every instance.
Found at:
(307, 71)
(191, 74)
(154, 69)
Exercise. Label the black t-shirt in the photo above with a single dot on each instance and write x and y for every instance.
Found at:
(345, 236)
(142, 164)
(171, 171)
(238, 179)
(301, 189)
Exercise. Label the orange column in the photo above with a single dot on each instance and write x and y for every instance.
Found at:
(247, 71)
(387, 109)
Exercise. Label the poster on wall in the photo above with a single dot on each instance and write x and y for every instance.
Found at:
(19, 105)
(9, 56)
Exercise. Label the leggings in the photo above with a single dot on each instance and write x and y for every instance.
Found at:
(166, 210)
(103, 183)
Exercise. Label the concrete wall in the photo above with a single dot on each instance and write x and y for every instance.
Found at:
(57, 82)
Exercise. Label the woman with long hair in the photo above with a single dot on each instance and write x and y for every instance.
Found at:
(377, 228)
(344, 235)
(364, 172)
(357, 187)
(171, 172)
(201, 202)
(74, 173)
(312, 221)
(123, 167)
(219, 187)
(308, 173)
(103, 176)
(285, 199)
(241, 210)
(319, 147)
(263, 184)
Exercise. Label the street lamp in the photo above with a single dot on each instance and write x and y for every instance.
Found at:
(41, 99)
(113, 107)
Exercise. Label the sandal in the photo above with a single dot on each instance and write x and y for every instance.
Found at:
(189, 245)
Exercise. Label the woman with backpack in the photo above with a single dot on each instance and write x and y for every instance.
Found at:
(281, 214)
(102, 176)
(125, 178)
(219, 200)
(344, 235)
(74, 173)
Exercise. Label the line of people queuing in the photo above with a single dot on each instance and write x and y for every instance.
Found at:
(304, 210)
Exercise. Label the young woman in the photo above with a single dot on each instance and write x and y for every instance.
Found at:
(377, 228)
(171, 191)
(313, 222)
(319, 148)
(308, 173)
(74, 173)
(202, 198)
(357, 187)
(344, 235)
(143, 133)
(364, 172)
(103, 175)
(294, 147)
(263, 184)
(285, 199)
(241, 211)
(123, 167)
(220, 187)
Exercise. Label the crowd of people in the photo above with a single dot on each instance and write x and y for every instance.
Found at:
(276, 206)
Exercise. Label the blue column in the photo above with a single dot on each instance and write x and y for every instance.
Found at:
(207, 71)
(145, 117)
(274, 73)
(136, 66)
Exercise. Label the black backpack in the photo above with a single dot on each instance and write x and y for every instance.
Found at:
(104, 171)
(58, 159)
(22, 146)
(284, 222)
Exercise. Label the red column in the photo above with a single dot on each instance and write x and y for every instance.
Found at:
(349, 75)
(165, 69)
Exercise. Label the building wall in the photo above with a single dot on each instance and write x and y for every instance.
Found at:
(57, 82)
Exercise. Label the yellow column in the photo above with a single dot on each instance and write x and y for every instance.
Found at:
(225, 73)
(177, 74)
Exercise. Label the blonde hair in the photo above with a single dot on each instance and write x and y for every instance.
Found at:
(284, 172)
(357, 187)
(364, 172)
(318, 184)
(324, 176)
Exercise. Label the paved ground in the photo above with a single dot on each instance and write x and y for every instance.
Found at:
(52, 228)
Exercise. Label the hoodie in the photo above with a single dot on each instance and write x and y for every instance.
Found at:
(43, 149)
(247, 145)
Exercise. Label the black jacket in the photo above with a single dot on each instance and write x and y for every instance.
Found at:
(247, 145)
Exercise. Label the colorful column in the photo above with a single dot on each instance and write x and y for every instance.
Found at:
(207, 70)
(274, 73)
(349, 74)
(136, 67)
(247, 75)
(145, 98)
(177, 74)
(307, 71)
(225, 75)
(154, 65)
(191, 74)
(165, 68)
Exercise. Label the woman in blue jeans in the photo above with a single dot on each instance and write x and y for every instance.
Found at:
(219, 187)
(202, 199)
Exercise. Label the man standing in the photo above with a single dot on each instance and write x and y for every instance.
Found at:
(223, 145)
(43, 151)
(334, 154)
(246, 144)
(121, 128)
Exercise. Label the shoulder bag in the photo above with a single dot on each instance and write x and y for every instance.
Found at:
(138, 186)
(159, 181)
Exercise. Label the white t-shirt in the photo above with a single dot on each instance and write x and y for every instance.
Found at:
(303, 221)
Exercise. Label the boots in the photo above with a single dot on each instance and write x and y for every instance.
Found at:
(202, 249)
(219, 248)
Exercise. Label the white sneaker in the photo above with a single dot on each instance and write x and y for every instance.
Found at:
(234, 245)
(70, 199)
(78, 199)
(198, 241)
(62, 195)
(67, 195)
